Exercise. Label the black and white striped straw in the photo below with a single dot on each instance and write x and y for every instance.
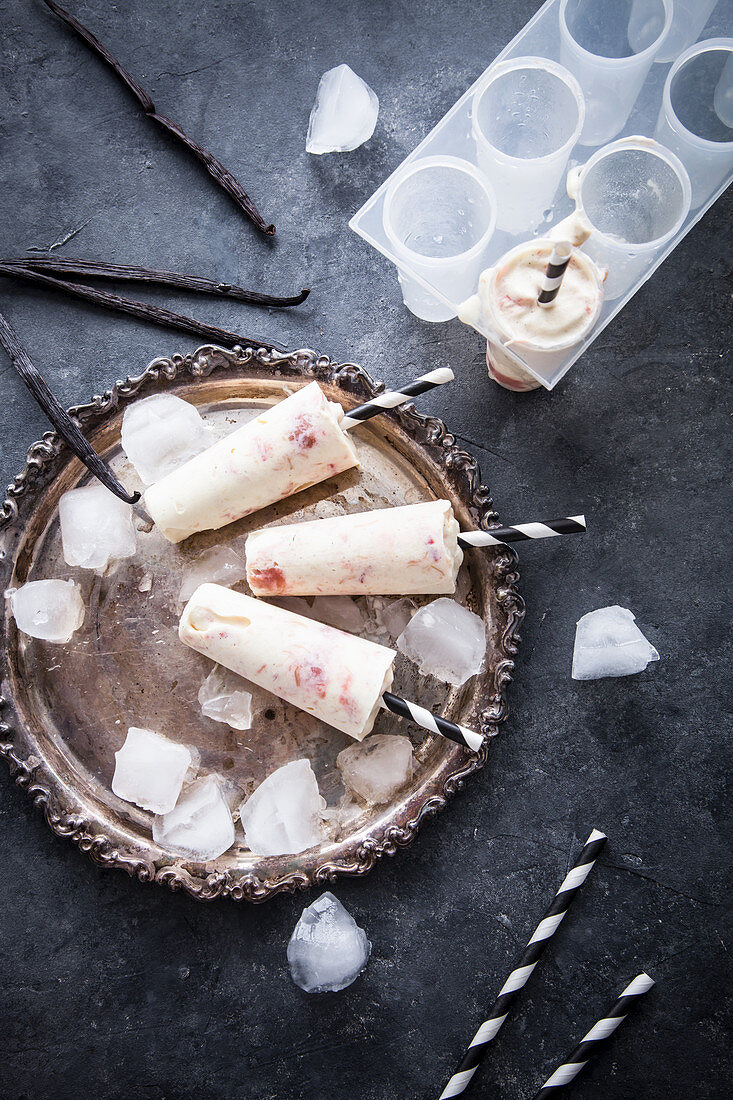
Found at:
(433, 722)
(554, 272)
(547, 529)
(597, 1037)
(518, 978)
(392, 398)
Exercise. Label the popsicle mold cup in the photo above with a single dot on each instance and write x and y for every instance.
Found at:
(696, 117)
(439, 216)
(525, 119)
(506, 303)
(610, 48)
(635, 194)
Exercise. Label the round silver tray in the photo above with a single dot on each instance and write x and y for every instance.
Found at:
(65, 709)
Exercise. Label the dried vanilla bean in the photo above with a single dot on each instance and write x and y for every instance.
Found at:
(67, 428)
(214, 167)
(130, 273)
(144, 310)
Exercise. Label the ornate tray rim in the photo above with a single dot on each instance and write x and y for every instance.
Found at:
(45, 789)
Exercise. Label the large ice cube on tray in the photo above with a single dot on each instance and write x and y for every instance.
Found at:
(223, 697)
(283, 816)
(339, 611)
(609, 643)
(327, 950)
(344, 114)
(219, 565)
(378, 767)
(446, 640)
(200, 826)
(96, 527)
(160, 433)
(150, 770)
(50, 610)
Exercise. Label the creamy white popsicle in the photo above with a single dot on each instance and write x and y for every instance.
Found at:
(412, 549)
(296, 443)
(337, 677)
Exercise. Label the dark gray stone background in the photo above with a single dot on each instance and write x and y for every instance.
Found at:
(111, 989)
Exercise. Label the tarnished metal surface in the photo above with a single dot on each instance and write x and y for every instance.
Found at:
(66, 709)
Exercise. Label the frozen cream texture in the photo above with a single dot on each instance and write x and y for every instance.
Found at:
(506, 301)
(296, 443)
(337, 677)
(383, 552)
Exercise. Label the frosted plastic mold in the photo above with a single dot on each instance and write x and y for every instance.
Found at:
(685, 102)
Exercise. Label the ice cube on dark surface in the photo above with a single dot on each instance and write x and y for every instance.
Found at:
(327, 951)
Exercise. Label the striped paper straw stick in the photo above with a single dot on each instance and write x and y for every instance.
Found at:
(554, 272)
(597, 1037)
(433, 722)
(547, 529)
(526, 964)
(392, 398)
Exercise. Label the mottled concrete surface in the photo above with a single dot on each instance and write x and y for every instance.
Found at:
(112, 989)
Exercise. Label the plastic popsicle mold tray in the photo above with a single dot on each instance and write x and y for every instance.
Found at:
(540, 39)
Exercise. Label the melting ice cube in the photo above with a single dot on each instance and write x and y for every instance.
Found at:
(284, 815)
(150, 769)
(327, 950)
(344, 114)
(160, 433)
(51, 610)
(200, 826)
(446, 640)
(223, 698)
(609, 643)
(338, 611)
(395, 615)
(96, 527)
(219, 565)
(378, 767)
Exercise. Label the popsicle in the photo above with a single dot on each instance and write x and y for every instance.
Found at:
(299, 442)
(338, 677)
(411, 549)
(295, 443)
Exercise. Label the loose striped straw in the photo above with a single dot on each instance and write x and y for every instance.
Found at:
(597, 1037)
(526, 964)
(554, 272)
(547, 529)
(433, 722)
(392, 398)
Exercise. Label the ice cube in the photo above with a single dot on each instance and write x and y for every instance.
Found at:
(327, 950)
(378, 767)
(223, 698)
(338, 611)
(283, 816)
(96, 527)
(160, 433)
(146, 583)
(150, 769)
(609, 643)
(200, 826)
(395, 615)
(50, 610)
(344, 114)
(446, 640)
(219, 565)
(295, 604)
